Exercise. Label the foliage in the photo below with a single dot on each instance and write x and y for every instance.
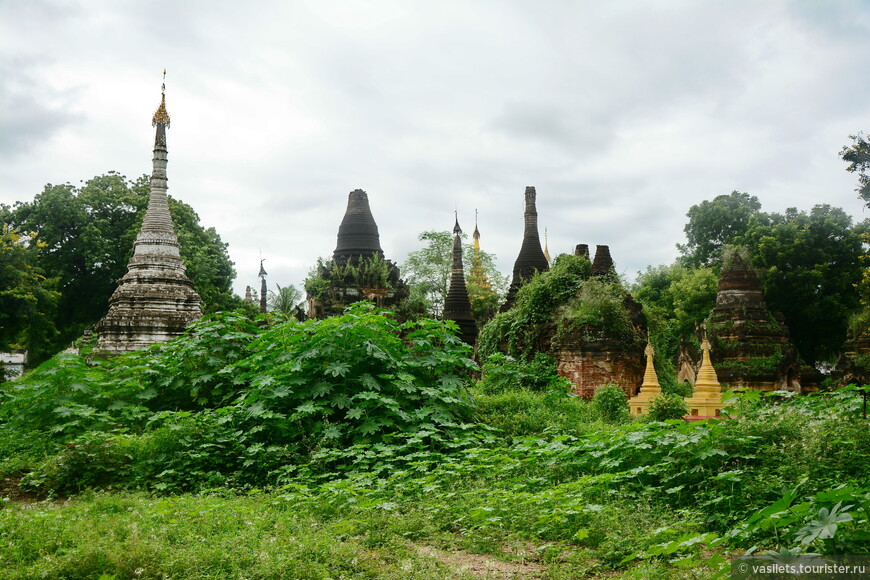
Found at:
(503, 373)
(88, 235)
(668, 406)
(857, 155)
(715, 223)
(611, 404)
(543, 474)
(813, 265)
(370, 272)
(428, 269)
(306, 383)
(519, 328)
(286, 300)
(28, 299)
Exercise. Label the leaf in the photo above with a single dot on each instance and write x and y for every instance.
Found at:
(825, 525)
(337, 369)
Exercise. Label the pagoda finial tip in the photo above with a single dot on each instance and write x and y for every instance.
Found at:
(161, 115)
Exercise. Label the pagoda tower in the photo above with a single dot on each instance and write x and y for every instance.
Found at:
(649, 389)
(457, 306)
(531, 258)
(357, 269)
(707, 398)
(154, 300)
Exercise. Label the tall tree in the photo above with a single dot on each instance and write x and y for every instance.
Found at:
(427, 271)
(813, 268)
(88, 235)
(715, 223)
(676, 299)
(857, 155)
(28, 300)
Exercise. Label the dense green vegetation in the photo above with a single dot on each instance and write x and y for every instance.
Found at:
(811, 263)
(359, 447)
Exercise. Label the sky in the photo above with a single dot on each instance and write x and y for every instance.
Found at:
(622, 114)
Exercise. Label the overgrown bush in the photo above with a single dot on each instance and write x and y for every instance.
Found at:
(668, 406)
(503, 373)
(611, 403)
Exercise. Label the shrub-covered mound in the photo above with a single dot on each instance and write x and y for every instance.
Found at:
(564, 300)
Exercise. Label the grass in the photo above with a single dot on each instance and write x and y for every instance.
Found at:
(109, 535)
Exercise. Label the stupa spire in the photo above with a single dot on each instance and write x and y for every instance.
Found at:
(546, 249)
(706, 401)
(154, 300)
(649, 388)
(263, 291)
(457, 306)
(531, 258)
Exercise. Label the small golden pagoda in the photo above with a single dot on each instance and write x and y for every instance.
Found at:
(707, 399)
(649, 389)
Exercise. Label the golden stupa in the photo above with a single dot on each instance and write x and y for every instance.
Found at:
(649, 389)
(707, 399)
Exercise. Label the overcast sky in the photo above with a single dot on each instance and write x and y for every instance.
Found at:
(622, 114)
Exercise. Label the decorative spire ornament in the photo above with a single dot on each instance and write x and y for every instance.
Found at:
(154, 300)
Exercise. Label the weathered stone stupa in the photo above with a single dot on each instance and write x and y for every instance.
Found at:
(649, 389)
(531, 258)
(358, 270)
(154, 300)
(752, 345)
(358, 235)
(457, 306)
(602, 265)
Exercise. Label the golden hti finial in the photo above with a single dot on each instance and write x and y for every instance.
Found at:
(546, 249)
(161, 115)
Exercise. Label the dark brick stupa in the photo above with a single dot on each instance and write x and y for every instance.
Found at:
(602, 265)
(457, 306)
(154, 300)
(358, 235)
(751, 345)
(531, 258)
(358, 270)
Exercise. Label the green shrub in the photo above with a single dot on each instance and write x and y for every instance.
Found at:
(668, 406)
(503, 373)
(521, 412)
(611, 404)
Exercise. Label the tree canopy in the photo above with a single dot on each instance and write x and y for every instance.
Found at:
(28, 300)
(813, 267)
(427, 271)
(715, 223)
(857, 155)
(86, 237)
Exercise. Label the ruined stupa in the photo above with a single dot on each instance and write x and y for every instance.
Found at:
(602, 265)
(457, 306)
(154, 300)
(358, 270)
(531, 258)
(752, 348)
